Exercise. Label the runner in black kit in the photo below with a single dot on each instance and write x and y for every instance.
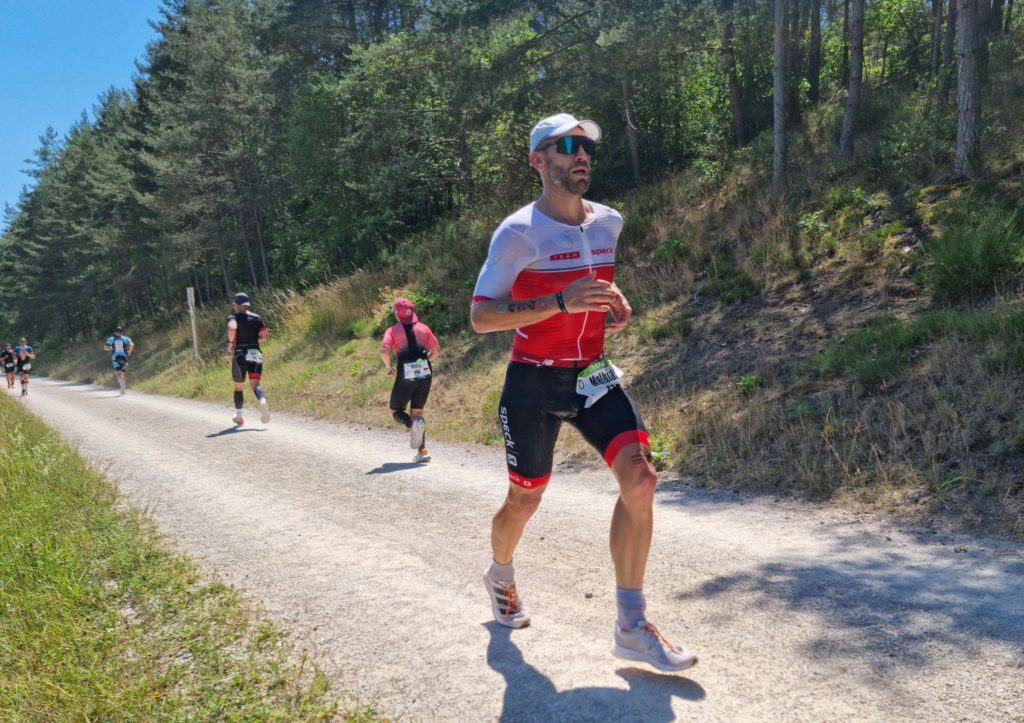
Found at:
(9, 362)
(24, 355)
(549, 275)
(415, 347)
(245, 332)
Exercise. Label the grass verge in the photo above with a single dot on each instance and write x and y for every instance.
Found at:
(100, 621)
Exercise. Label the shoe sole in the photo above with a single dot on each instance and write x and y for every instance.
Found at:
(626, 654)
(516, 623)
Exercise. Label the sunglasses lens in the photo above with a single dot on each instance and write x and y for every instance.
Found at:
(570, 145)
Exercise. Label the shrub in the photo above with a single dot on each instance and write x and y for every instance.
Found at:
(972, 259)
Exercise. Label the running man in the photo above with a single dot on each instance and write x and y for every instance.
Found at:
(415, 347)
(549, 275)
(121, 347)
(24, 356)
(10, 363)
(245, 332)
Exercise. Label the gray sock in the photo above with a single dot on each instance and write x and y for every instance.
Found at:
(502, 573)
(631, 606)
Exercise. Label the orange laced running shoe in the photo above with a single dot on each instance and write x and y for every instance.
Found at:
(645, 644)
(506, 603)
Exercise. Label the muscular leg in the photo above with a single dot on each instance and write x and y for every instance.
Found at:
(633, 519)
(510, 520)
(256, 388)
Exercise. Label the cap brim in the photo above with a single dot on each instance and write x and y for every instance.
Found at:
(592, 129)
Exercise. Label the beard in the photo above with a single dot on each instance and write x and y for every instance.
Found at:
(563, 179)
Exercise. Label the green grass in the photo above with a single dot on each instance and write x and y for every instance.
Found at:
(99, 621)
(881, 350)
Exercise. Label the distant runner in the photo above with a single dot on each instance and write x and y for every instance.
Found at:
(10, 363)
(121, 347)
(415, 347)
(550, 275)
(24, 356)
(245, 332)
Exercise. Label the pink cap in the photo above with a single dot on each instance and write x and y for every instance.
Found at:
(405, 311)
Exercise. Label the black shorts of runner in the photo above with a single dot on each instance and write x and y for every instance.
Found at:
(120, 363)
(10, 368)
(240, 366)
(413, 392)
(534, 403)
(24, 368)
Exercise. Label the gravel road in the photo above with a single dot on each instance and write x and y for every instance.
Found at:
(797, 612)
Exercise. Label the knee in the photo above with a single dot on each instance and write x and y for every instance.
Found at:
(522, 505)
(637, 487)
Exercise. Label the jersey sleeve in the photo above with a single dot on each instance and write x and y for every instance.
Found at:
(127, 341)
(510, 252)
(429, 340)
(109, 341)
(388, 341)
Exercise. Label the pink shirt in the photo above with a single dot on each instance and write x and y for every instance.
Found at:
(396, 339)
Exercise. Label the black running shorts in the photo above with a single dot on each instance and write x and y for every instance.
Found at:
(534, 403)
(413, 392)
(240, 367)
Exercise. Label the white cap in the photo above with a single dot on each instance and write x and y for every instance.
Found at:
(558, 125)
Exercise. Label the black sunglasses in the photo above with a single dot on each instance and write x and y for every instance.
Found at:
(570, 145)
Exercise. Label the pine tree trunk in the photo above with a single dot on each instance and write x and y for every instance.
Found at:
(814, 54)
(634, 145)
(936, 38)
(794, 63)
(845, 66)
(856, 68)
(779, 98)
(729, 53)
(947, 52)
(1009, 16)
(261, 246)
(968, 100)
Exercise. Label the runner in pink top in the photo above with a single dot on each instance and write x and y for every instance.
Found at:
(549, 275)
(415, 347)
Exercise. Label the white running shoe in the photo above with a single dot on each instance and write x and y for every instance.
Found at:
(264, 411)
(237, 419)
(417, 433)
(506, 603)
(645, 644)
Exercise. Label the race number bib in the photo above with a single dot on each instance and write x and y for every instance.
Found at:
(597, 380)
(9, 366)
(418, 369)
(26, 366)
(254, 356)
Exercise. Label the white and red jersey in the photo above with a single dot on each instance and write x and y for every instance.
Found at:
(532, 255)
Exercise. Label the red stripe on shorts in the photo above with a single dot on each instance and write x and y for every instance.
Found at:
(528, 482)
(620, 441)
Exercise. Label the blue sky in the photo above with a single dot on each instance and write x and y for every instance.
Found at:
(56, 58)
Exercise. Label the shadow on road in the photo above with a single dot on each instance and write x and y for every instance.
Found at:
(234, 430)
(531, 696)
(394, 467)
(889, 611)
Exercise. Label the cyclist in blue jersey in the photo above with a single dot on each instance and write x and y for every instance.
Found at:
(24, 355)
(120, 347)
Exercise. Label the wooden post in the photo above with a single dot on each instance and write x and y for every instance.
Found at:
(191, 294)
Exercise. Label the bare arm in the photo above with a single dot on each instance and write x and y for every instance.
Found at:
(385, 356)
(621, 312)
(584, 294)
